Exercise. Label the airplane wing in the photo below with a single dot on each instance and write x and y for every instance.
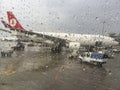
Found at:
(45, 37)
(5, 30)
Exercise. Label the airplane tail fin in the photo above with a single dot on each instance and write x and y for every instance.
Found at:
(13, 22)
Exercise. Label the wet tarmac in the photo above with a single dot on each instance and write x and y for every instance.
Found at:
(35, 69)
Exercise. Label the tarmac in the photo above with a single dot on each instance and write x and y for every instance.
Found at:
(35, 69)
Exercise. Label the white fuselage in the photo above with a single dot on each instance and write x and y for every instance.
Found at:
(83, 39)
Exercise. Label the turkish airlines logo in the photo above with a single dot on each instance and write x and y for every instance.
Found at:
(13, 22)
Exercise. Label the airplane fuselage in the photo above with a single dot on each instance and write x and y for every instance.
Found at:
(83, 39)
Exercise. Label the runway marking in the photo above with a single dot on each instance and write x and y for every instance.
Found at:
(63, 68)
(8, 72)
(57, 75)
(56, 78)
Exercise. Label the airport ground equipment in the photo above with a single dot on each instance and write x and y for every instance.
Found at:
(7, 53)
(94, 58)
(19, 46)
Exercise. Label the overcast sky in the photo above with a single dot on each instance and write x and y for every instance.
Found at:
(72, 16)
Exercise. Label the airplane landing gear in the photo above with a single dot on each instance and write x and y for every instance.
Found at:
(56, 48)
(19, 47)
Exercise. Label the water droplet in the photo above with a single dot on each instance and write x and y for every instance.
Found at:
(97, 18)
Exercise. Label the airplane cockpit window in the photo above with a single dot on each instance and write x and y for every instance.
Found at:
(59, 44)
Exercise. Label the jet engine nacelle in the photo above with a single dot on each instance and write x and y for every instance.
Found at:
(74, 45)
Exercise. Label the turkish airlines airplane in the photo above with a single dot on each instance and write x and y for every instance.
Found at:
(72, 40)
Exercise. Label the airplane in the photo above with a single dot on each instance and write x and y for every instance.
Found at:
(71, 40)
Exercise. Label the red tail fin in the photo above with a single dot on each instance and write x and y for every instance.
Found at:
(13, 22)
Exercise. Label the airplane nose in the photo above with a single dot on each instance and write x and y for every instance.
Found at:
(116, 43)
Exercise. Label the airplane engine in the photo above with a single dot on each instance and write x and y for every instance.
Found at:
(74, 45)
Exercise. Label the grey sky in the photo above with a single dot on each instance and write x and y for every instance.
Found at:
(76, 16)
